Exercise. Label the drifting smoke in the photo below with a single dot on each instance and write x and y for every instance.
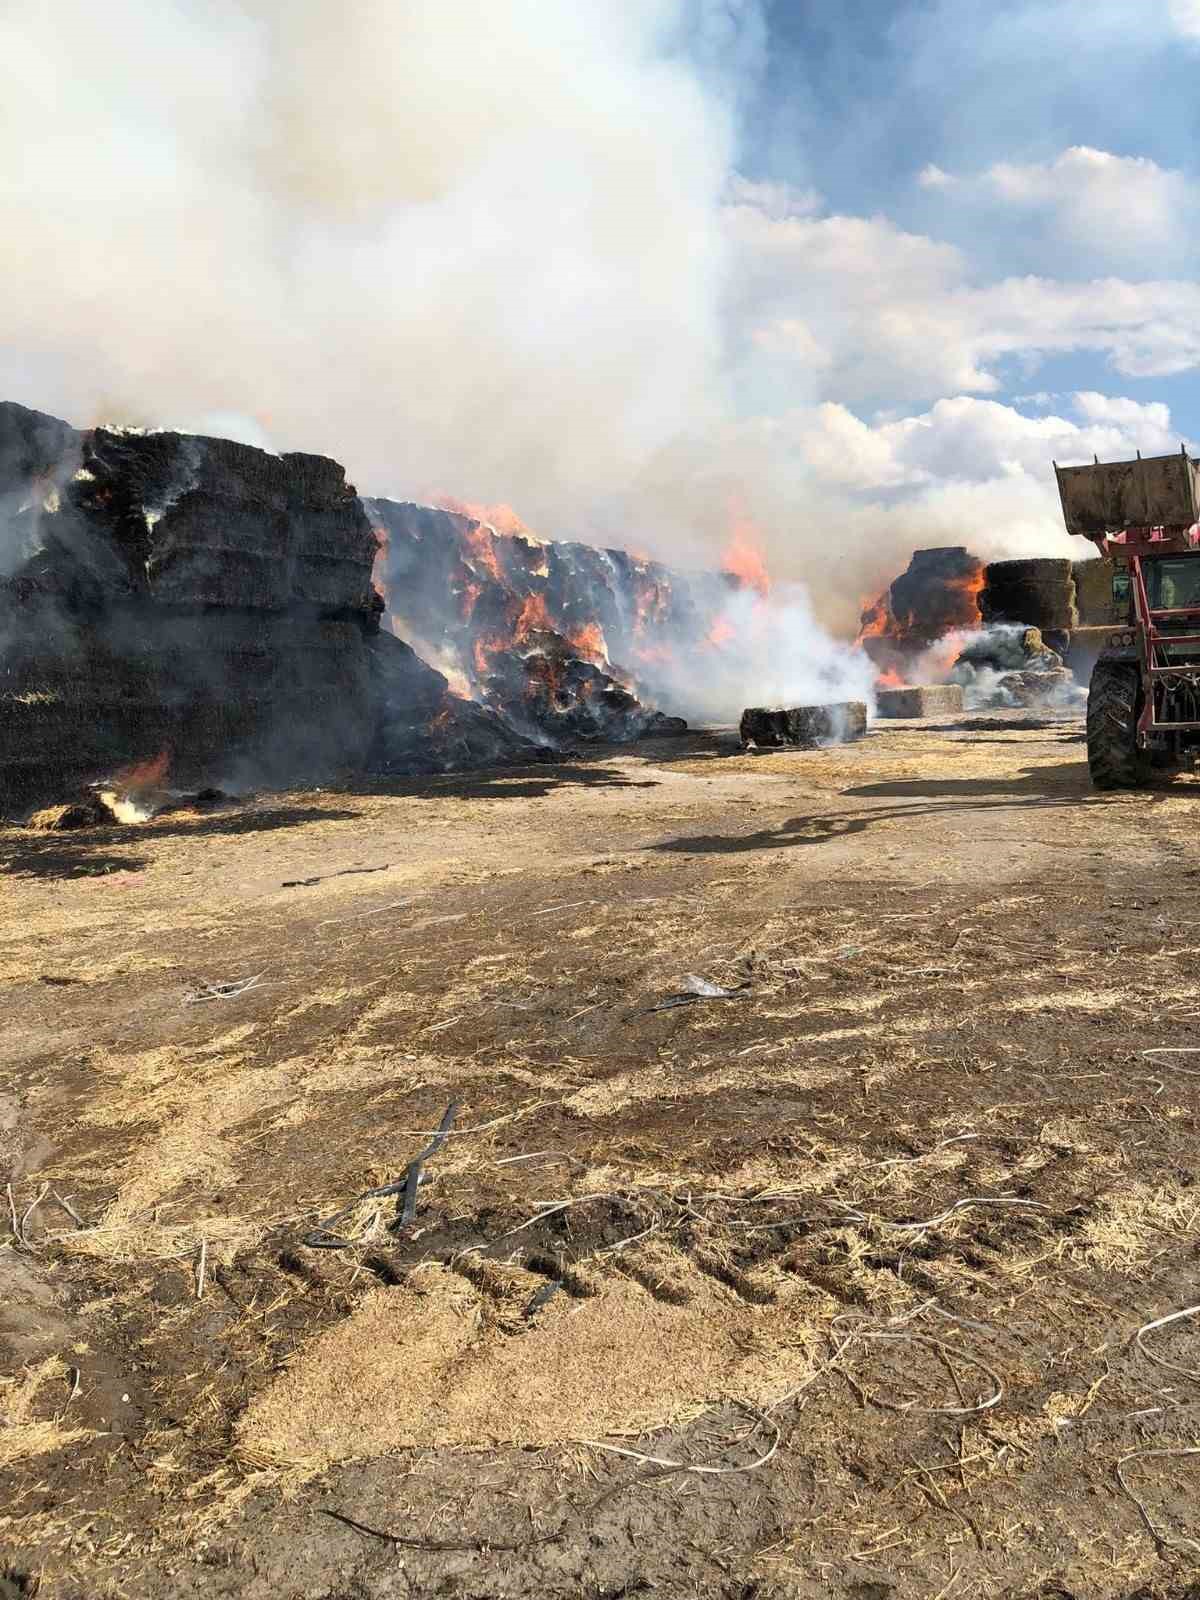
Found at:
(769, 648)
(451, 252)
(510, 261)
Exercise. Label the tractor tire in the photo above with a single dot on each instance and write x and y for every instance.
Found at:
(1114, 760)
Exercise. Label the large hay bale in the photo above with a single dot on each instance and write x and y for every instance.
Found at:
(1040, 593)
(920, 700)
(805, 727)
(93, 516)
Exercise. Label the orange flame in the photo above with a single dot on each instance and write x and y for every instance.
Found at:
(970, 589)
(533, 615)
(478, 540)
(483, 649)
(500, 518)
(743, 560)
(381, 549)
(146, 774)
(588, 639)
(721, 632)
(876, 621)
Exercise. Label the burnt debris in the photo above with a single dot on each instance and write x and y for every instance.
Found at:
(552, 636)
(209, 607)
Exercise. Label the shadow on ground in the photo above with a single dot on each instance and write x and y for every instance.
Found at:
(504, 783)
(57, 861)
(89, 853)
(1035, 790)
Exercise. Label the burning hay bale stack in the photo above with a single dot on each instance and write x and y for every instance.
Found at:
(525, 625)
(935, 596)
(163, 591)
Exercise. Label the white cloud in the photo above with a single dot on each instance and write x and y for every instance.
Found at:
(899, 318)
(1185, 17)
(967, 471)
(1112, 210)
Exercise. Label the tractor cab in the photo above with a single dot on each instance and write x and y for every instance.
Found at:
(1144, 697)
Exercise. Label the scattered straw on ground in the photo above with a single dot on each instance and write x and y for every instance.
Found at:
(431, 1364)
(22, 1433)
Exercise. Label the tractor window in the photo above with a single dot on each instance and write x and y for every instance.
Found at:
(1172, 585)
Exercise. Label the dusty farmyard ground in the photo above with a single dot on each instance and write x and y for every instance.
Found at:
(870, 1243)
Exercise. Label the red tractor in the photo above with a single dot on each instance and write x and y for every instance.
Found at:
(1143, 719)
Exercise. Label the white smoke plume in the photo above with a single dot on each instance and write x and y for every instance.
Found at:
(492, 251)
(457, 246)
(769, 651)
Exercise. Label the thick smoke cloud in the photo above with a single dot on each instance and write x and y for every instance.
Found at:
(461, 247)
(497, 252)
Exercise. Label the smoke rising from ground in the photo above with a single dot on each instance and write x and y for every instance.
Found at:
(763, 651)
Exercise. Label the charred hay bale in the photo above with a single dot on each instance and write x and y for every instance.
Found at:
(806, 727)
(935, 594)
(920, 700)
(660, 726)
(111, 513)
(1034, 688)
(272, 698)
(33, 445)
(214, 522)
(1038, 592)
(38, 454)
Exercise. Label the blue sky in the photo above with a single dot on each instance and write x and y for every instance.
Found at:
(859, 98)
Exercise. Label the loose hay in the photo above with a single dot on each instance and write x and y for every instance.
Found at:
(22, 1434)
(422, 1365)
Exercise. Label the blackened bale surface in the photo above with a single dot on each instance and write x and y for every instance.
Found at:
(1040, 593)
(166, 592)
(804, 726)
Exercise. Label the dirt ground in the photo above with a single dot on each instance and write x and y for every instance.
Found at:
(830, 1288)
